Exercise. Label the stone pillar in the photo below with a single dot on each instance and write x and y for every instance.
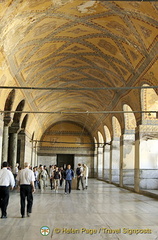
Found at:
(13, 144)
(146, 157)
(1, 137)
(103, 162)
(35, 158)
(107, 162)
(110, 167)
(121, 161)
(115, 165)
(100, 162)
(21, 140)
(136, 165)
(95, 163)
(5, 144)
(5, 141)
(127, 150)
(13, 149)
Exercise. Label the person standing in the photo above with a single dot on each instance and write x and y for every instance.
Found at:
(69, 175)
(6, 180)
(26, 180)
(43, 176)
(62, 176)
(85, 175)
(79, 173)
(57, 177)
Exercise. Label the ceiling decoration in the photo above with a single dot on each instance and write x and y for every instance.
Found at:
(73, 43)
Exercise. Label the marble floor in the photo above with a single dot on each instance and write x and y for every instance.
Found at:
(103, 211)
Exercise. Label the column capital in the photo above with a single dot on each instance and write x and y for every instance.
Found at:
(14, 128)
(7, 121)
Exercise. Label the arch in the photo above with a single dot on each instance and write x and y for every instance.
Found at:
(101, 139)
(129, 119)
(67, 134)
(9, 103)
(149, 102)
(116, 127)
(24, 122)
(107, 134)
(19, 109)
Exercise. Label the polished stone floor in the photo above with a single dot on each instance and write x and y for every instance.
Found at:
(103, 211)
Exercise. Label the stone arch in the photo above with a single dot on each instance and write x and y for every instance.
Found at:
(127, 147)
(107, 134)
(148, 140)
(129, 119)
(18, 112)
(149, 102)
(8, 104)
(116, 127)
(101, 139)
(7, 121)
(24, 122)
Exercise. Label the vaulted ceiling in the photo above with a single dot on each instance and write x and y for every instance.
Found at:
(75, 45)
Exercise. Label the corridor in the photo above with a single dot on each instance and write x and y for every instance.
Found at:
(101, 212)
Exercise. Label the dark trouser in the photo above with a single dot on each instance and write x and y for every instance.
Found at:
(26, 191)
(61, 182)
(4, 199)
(68, 185)
(80, 179)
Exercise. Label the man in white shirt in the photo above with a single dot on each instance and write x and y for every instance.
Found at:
(26, 180)
(6, 180)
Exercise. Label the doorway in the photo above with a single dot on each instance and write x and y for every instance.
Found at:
(65, 159)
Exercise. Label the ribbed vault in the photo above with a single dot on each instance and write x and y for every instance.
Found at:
(78, 44)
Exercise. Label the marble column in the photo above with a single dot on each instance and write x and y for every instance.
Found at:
(5, 141)
(13, 149)
(100, 162)
(110, 167)
(5, 144)
(137, 159)
(115, 158)
(127, 150)
(107, 162)
(146, 157)
(95, 163)
(21, 140)
(121, 162)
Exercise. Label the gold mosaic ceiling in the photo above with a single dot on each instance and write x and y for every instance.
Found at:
(77, 44)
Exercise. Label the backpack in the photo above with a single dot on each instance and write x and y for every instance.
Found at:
(78, 171)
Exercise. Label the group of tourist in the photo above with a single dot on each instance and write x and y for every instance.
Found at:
(56, 176)
(29, 179)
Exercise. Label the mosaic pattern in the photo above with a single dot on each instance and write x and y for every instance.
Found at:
(78, 44)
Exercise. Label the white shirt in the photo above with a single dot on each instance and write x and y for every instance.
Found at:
(6, 178)
(25, 176)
